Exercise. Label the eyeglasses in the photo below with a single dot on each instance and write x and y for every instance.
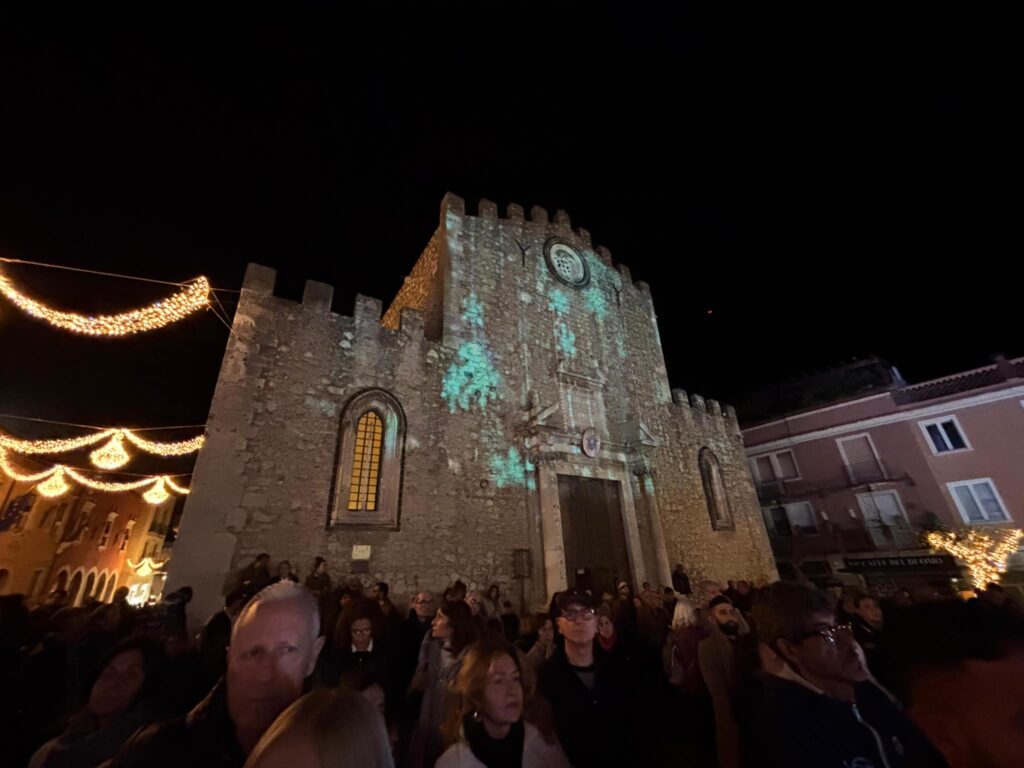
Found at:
(829, 634)
(361, 631)
(578, 614)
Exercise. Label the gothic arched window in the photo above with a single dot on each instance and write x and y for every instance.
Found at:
(365, 480)
(370, 454)
(714, 491)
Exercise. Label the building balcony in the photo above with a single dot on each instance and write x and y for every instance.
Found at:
(866, 472)
(845, 477)
(867, 537)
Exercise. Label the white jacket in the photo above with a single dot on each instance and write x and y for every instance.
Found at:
(537, 753)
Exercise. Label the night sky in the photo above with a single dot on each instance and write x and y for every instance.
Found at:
(826, 188)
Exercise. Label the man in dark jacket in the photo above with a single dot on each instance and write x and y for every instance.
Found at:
(585, 693)
(392, 618)
(680, 581)
(274, 647)
(818, 706)
(405, 656)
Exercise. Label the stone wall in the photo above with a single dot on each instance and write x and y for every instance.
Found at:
(498, 367)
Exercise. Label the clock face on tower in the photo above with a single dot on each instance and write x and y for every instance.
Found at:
(565, 263)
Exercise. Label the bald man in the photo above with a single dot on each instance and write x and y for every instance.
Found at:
(274, 646)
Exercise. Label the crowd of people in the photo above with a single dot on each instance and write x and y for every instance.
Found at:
(315, 673)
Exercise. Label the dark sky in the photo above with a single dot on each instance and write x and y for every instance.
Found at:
(829, 187)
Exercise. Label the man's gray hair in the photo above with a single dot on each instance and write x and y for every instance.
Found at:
(285, 592)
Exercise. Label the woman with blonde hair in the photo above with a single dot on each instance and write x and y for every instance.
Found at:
(486, 729)
(325, 729)
(682, 648)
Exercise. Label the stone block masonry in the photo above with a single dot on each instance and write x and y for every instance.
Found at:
(497, 363)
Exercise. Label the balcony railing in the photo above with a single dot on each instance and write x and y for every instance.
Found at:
(866, 472)
(865, 537)
(842, 478)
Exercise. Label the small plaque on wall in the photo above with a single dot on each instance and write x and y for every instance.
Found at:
(361, 551)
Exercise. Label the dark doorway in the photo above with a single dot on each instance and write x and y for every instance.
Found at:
(592, 532)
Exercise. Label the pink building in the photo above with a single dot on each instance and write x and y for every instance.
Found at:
(847, 486)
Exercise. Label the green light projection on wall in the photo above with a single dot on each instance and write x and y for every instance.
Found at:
(512, 471)
(471, 377)
(473, 311)
(597, 302)
(558, 301)
(566, 340)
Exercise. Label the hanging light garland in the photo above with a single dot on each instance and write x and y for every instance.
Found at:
(54, 482)
(147, 566)
(51, 446)
(55, 485)
(180, 448)
(190, 299)
(158, 494)
(984, 553)
(111, 455)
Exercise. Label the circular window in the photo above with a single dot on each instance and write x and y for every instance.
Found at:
(565, 263)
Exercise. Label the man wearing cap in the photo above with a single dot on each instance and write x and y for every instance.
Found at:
(583, 689)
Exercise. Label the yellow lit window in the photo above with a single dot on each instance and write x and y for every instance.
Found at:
(366, 463)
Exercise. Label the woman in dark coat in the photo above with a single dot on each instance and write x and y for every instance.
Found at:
(121, 700)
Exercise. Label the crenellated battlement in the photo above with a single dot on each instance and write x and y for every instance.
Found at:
(260, 281)
(453, 211)
(699, 404)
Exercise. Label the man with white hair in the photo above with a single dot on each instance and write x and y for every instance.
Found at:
(274, 646)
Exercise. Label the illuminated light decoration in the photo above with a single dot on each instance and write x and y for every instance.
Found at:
(147, 567)
(191, 298)
(180, 490)
(52, 446)
(14, 474)
(180, 448)
(55, 485)
(100, 485)
(158, 494)
(158, 490)
(984, 553)
(112, 455)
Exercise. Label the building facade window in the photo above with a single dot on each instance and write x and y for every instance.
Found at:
(978, 501)
(772, 467)
(714, 491)
(108, 526)
(945, 435)
(365, 480)
(791, 519)
(370, 457)
(861, 459)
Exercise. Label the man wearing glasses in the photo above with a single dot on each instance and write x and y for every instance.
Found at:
(585, 692)
(819, 707)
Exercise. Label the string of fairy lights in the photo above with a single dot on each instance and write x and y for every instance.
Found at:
(985, 553)
(112, 455)
(192, 297)
(53, 482)
(111, 452)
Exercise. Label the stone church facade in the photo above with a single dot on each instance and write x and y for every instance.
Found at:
(508, 419)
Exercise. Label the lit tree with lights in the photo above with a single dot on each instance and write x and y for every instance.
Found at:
(985, 553)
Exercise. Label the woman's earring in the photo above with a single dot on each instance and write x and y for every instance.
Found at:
(476, 716)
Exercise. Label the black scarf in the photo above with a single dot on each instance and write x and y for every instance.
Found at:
(495, 753)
